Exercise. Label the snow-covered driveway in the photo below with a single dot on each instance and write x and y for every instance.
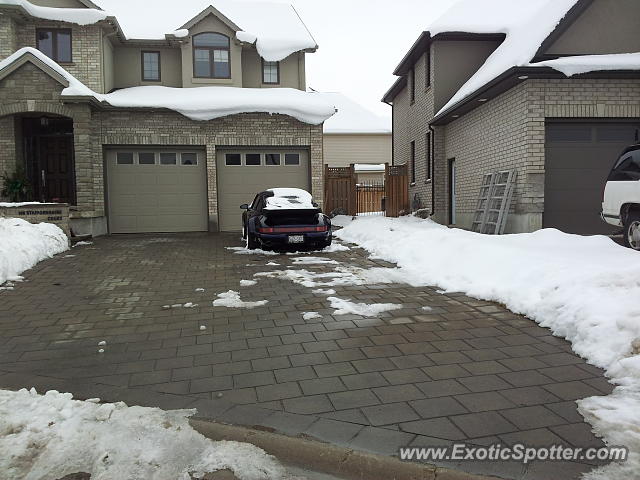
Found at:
(330, 344)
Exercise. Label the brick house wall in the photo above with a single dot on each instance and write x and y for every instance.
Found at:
(411, 123)
(8, 36)
(29, 89)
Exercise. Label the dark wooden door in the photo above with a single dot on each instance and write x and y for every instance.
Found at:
(56, 173)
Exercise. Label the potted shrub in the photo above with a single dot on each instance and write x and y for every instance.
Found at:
(16, 187)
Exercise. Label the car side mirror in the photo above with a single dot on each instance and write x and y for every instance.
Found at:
(244, 206)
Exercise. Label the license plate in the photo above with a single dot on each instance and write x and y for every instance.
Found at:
(296, 238)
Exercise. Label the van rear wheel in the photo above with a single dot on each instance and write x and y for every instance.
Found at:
(632, 231)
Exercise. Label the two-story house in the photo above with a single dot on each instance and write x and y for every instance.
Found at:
(157, 125)
(550, 88)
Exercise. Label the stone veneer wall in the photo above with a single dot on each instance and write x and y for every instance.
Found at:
(28, 89)
(8, 36)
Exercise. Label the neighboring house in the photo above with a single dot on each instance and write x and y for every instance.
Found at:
(550, 88)
(87, 108)
(356, 135)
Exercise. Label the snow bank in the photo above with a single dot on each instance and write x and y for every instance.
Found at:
(23, 244)
(289, 199)
(352, 117)
(526, 25)
(52, 435)
(274, 27)
(202, 103)
(79, 16)
(585, 289)
(231, 299)
(592, 63)
(345, 307)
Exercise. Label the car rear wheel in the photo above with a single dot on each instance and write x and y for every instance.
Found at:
(252, 242)
(632, 231)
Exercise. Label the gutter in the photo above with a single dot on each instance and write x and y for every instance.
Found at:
(432, 159)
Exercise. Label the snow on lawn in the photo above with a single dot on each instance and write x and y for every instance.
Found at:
(585, 289)
(52, 435)
(231, 299)
(23, 244)
(345, 307)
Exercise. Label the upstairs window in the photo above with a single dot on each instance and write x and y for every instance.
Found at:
(55, 44)
(211, 56)
(270, 72)
(151, 66)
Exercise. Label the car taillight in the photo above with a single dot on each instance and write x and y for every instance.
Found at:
(266, 230)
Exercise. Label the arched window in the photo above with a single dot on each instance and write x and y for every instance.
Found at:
(211, 56)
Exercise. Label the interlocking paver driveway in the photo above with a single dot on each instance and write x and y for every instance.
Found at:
(464, 370)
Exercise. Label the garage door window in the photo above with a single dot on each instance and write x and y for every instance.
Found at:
(168, 158)
(272, 159)
(252, 159)
(292, 159)
(189, 158)
(569, 133)
(232, 159)
(124, 158)
(146, 158)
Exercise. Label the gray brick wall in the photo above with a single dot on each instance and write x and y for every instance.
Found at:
(8, 36)
(410, 123)
(28, 89)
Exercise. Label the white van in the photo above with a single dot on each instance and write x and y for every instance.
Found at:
(621, 200)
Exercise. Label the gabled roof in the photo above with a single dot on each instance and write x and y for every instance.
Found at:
(14, 62)
(210, 10)
(203, 103)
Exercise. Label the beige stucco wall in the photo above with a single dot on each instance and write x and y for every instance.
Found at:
(289, 70)
(342, 150)
(606, 26)
(211, 24)
(128, 61)
(454, 62)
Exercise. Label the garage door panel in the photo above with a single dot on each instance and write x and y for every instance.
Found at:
(156, 198)
(239, 184)
(578, 158)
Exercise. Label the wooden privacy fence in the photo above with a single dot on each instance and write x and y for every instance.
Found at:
(343, 192)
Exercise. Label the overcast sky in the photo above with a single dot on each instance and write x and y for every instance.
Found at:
(361, 43)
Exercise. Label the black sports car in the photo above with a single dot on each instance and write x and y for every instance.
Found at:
(285, 217)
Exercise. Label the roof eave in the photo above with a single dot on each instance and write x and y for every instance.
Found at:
(397, 86)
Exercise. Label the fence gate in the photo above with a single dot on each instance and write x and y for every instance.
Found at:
(340, 189)
(370, 197)
(396, 185)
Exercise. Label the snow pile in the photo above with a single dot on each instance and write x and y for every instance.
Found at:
(275, 28)
(585, 289)
(526, 25)
(590, 63)
(335, 247)
(341, 220)
(345, 307)
(313, 261)
(290, 199)
(79, 16)
(52, 435)
(23, 244)
(352, 117)
(231, 299)
(203, 103)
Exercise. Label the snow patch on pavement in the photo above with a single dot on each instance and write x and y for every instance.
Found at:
(335, 247)
(320, 291)
(23, 245)
(341, 276)
(313, 261)
(584, 289)
(345, 307)
(310, 315)
(246, 251)
(52, 435)
(247, 283)
(231, 299)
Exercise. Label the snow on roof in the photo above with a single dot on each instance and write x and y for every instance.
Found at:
(276, 28)
(352, 117)
(202, 103)
(369, 167)
(79, 16)
(576, 65)
(289, 199)
(525, 24)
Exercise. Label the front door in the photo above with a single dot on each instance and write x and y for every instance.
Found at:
(56, 169)
(452, 191)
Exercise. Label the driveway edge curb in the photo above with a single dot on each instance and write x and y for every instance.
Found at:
(329, 459)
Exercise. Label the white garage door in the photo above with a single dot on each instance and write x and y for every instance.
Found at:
(244, 172)
(156, 190)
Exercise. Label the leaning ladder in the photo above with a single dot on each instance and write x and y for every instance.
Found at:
(494, 202)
